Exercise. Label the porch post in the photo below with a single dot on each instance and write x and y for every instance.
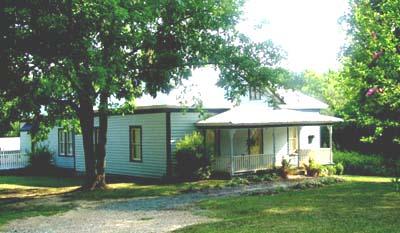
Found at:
(273, 145)
(298, 145)
(231, 134)
(330, 143)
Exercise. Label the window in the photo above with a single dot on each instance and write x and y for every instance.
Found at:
(212, 141)
(135, 143)
(310, 139)
(255, 93)
(324, 137)
(255, 141)
(66, 143)
(293, 140)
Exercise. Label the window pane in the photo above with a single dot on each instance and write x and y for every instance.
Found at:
(255, 141)
(135, 144)
(61, 142)
(137, 152)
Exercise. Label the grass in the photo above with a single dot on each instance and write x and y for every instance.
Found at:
(362, 204)
(26, 196)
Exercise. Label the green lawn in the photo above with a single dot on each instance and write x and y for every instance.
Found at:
(25, 196)
(362, 204)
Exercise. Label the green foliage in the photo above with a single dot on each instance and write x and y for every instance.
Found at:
(41, 161)
(320, 182)
(236, 181)
(361, 164)
(370, 80)
(396, 183)
(312, 168)
(68, 57)
(192, 160)
(191, 142)
(331, 170)
(339, 168)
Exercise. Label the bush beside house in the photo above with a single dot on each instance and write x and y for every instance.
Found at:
(355, 163)
(41, 162)
(193, 161)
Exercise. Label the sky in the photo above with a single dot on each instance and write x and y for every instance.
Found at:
(308, 30)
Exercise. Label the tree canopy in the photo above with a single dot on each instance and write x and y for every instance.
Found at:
(62, 59)
(371, 64)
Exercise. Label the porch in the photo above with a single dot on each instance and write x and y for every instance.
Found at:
(244, 140)
(250, 163)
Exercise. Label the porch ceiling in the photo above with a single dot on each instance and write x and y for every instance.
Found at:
(244, 116)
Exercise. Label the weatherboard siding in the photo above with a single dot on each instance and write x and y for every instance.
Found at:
(25, 142)
(154, 158)
(182, 123)
(52, 144)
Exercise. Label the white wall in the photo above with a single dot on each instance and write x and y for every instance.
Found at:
(281, 146)
(306, 131)
(52, 143)
(25, 142)
(10, 143)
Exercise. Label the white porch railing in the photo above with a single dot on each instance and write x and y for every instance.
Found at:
(320, 155)
(243, 163)
(13, 160)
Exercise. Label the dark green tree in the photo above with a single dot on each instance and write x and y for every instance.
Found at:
(78, 55)
(369, 86)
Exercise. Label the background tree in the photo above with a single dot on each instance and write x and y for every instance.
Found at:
(79, 55)
(370, 80)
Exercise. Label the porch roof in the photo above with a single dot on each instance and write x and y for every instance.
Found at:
(244, 116)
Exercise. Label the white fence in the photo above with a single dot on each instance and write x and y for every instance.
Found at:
(13, 160)
(321, 156)
(243, 163)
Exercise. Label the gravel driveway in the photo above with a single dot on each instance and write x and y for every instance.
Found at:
(150, 214)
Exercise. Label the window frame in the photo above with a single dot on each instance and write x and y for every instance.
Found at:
(254, 93)
(131, 127)
(63, 144)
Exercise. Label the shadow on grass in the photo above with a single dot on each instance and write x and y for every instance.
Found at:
(346, 207)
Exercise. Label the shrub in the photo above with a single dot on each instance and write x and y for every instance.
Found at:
(360, 164)
(396, 183)
(319, 182)
(313, 169)
(192, 161)
(261, 177)
(41, 161)
(238, 181)
(331, 170)
(339, 168)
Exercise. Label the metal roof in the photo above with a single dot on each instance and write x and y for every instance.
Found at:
(255, 115)
(26, 127)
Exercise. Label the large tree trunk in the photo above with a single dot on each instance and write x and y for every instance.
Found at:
(86, 119)
(101, 148)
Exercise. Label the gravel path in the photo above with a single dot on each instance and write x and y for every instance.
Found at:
(150, 214)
